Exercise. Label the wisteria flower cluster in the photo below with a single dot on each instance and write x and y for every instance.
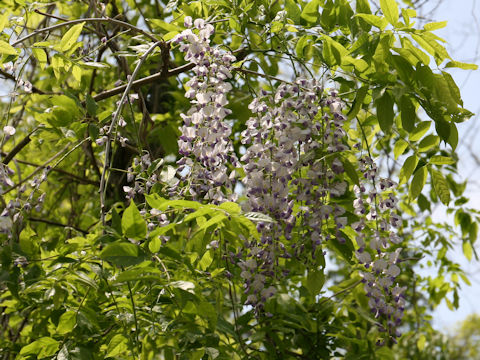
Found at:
(375, 204)
(208, 155)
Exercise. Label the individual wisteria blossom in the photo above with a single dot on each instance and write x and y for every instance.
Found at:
(208, 158)
(8, 131)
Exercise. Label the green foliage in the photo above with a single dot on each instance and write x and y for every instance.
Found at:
(82, 278)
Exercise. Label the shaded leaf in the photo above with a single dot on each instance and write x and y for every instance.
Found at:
(42, 348)
(71, 36)
(418, 182)
(441, 186)
(133, 224)
(117, 346)
(385, 112)
(7, 49)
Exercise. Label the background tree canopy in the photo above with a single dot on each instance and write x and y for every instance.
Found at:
(228, 180)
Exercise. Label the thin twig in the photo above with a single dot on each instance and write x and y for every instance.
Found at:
(37, 170)
(163, 266)
(108, 145)
(62, 19)
(340, 292)
(12, 77)
(60, 171)
(54, 223)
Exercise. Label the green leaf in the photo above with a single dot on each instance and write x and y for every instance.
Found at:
(453, 88)
(408, 168)
(399, 148)
(443, 128)
(315, 281)
(139, 273)
(301, 44)
(154, 244)
(423, 203)
(441, 160)
(358, 102)
(133, 224)
(162, 204)
(91, 105)
(428, 142)
(67, 322)
(4, 20)
(390, 10)
(407, 113)
(310, 11)
(350, 170)
(41, 56)
(453, 137)
(445, 94)
(7, 49)
(461, 65)
(70, 37)
(117, 346)
(333, 51)
(231, 207)
(42, 348)
(441, 186)
(205, 261)
(213, 221)
(428, 42)
(293, 11)
(162, 25)
(412, 53)
(467, 250)
(385, 112)
(419, 131)
(184, 285)
(418, 182)
(374, 20)
(407, 14)
(435, 25)
(421, 342)
(122, 253)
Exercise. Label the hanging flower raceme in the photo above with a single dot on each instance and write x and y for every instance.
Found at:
(375, 204)
(284, 139)
(320, 177)
(205, 140)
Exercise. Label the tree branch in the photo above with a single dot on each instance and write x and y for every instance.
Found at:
(144, 81)
(25, 141)
(11, 77)
(54, 223)
(92, 20)
(242, 53)
(60, 171)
